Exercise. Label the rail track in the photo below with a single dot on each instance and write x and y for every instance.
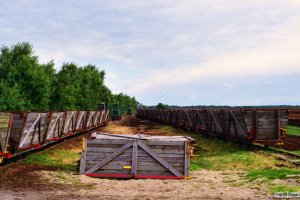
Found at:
(285, 155)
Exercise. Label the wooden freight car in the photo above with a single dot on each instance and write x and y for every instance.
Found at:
(294, 117)
(266, 126)
(136, 156)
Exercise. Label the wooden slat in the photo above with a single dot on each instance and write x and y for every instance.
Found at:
(134, 158)
(140, 158)
(159, 159)
(186, 160)
(109, 158)
(158, 151)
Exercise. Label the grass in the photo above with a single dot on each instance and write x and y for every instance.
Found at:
(216, 154)
(261, 169)
(283, 188)
(277, 173)
(293, 130)
(296, 152)
(56, 158)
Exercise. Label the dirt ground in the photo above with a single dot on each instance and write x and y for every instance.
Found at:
(30, 182)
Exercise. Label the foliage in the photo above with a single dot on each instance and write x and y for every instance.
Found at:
(124, 101)
(162, 106)
(25, 84)
(29, 81)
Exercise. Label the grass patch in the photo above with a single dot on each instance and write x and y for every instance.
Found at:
(280, 173)
(215, 154)
(283, 188)
(293, 130)
(56, 158)
(296, 152)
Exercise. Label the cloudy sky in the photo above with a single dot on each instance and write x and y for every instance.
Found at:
(191, 52)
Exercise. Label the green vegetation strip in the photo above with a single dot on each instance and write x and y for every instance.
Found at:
(293, 130)
(279, 173)
(55, 158)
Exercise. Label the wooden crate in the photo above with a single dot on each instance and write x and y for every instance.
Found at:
(136, 156)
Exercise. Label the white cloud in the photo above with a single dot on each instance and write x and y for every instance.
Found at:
(264, 60)
(163, 45)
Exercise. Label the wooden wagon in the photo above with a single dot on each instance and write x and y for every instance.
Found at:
(136, 156)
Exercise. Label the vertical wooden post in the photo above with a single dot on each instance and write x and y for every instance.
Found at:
(134, 158)
(83, 156)
(278, 123)
(186, 159)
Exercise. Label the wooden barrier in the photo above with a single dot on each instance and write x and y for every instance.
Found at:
(136, 156)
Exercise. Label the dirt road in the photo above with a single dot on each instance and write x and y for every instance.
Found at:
(19, 181)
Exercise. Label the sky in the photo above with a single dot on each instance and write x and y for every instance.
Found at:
(191, 52)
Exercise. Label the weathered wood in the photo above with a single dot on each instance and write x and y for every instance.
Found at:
(82, 162)
(134, 158)
(159, 159)
(122, 141)
(186, 160)
(109, 158)
(158, 155)
(157, 168)
(145, 158)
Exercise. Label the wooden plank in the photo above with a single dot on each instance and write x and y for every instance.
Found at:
(116, 145)
(134, 158)
(109, 158)
(145, 158)
(83, 159)
(102, 146)
(158, 151)
(159, 159)
(150, 172)
(129, 162)
(186, 160)
(158, 168)
(28, 132)
(107, 141)
(106, 171)
(82, 162)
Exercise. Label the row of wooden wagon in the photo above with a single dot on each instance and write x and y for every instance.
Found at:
(24, 131)
(294, 117)
(266, 126)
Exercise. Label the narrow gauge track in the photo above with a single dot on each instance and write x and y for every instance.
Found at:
(282, 154)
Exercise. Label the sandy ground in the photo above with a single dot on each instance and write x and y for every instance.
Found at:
(29, 182)
(203, 185)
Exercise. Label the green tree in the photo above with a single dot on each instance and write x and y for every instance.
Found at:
(67, 89)
(162, 106)
(91, 83)
(21, 71)
(25, 84)
(10, 98)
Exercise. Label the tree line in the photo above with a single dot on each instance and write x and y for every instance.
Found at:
(27, 85)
